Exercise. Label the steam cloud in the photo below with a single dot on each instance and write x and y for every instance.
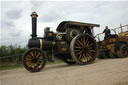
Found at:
(36, 4)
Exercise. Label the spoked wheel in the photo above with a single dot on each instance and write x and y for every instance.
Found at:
(34, 60)
(83, 49)
(123, 51)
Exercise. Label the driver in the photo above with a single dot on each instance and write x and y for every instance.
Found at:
(107, 33)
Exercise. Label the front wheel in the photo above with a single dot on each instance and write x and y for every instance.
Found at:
(34, 60)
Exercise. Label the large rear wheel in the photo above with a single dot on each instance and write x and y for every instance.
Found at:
(83, 49)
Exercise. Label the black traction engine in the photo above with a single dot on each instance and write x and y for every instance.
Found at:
(73, 43)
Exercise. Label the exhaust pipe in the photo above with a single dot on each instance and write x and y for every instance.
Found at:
(34, 22)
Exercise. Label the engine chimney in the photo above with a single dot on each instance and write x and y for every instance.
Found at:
(34, 22)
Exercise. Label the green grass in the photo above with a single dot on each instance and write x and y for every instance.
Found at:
(10, 67)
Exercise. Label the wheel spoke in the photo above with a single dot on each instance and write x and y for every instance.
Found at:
(84, 57)
(80, 56)
(77, 50)
(35, 54)
(92, 50)
(38, 63)
(77, 47)
(86, 41)
(87, 44)
(80, 43)
(31, 53)
(81, 39)
(30, 65)
(28, 57)
(40, 58)
(38, 54)
(78, 53)
(89, 53)
(89, 57)
(90, 45)
(28, 60)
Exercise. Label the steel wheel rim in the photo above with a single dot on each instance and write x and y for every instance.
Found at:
(34, 60)
(83, 49)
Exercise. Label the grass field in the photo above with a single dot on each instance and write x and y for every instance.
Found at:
(11, 66)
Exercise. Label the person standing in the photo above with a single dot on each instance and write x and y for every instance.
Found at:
(107, 33)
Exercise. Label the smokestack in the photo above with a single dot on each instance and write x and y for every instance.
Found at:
(34, 22)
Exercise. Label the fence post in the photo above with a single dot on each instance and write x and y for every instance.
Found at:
(121, 28)
(127, 27)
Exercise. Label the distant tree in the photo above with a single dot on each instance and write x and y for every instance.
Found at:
(4, 51)
(7, 51)
(11, 50)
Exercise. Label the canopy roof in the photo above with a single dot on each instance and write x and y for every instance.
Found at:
(65, 24)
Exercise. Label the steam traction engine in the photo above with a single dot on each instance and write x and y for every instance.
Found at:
(73, 43)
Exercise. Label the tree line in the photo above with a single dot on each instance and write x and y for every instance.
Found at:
(7, 51)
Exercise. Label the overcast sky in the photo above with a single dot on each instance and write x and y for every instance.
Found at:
(15, 24)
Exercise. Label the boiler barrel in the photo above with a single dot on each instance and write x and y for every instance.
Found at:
(40, 43)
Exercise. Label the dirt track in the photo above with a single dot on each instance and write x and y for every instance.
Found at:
(101, 72)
